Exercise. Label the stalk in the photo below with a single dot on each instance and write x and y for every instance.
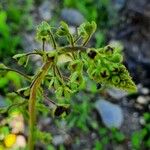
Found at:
(32, 101)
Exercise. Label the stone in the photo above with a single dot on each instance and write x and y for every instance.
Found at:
(111, 114)
(72, 16)
(45, 10)
(142, 100)
(116, 93)
(60, 139)
(2, 102)
(118, 4)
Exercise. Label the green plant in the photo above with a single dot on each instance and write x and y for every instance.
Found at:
(13, 15)
(108, 136)
(142, 137)
(103, 65)
(100, 11)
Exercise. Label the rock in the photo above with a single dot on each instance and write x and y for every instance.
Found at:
(111, 114)
(142, 121)
(131, 121)
(142, 100)
(61, 139)
(118, 4)
(72, 16)
(116, 93)
(141, 7)
(45, 10)
(145, 91)
(2, 102)
(30, 43)
(142, 90)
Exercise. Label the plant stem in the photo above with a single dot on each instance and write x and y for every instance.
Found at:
(43, 45)
(71, 49)
(53, 40)
(87, 40)
(32, 101)
(71, 40)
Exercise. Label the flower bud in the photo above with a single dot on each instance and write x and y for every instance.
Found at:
(115, 80)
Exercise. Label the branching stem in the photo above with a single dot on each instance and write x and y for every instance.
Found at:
(32, 101)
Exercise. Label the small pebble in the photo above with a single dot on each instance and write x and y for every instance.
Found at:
(142, 121)
(142, 100)
(145, 91)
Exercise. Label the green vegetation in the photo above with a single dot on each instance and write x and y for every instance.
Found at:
(13, 19)
(70, 79)
(141, 138)
(103, 65)
(99, 11)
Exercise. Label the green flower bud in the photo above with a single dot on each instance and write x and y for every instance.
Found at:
(92, 53)
(117, 58)
(108, 50)
(115, 80)
(104, 73)
(43, 31)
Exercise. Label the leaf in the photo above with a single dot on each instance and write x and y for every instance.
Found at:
(3, 67)
(63, 58)
(44, 137)
(22, 59)
(86, 30)
(24, 92)
(63, 29)
(17, 56)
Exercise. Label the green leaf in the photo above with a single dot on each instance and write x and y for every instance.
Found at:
(136, 140)
(63, 29)
(63, 58)
(42, 136)
(24, 92)
(22, 59)
(17, 56)
(86, 30)
(3, 67)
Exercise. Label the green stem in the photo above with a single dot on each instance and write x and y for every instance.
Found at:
(87, 40)
(71, 40)
(77, 39)
(43, 45)
(75, 48)
(53, 40)
(32, 101)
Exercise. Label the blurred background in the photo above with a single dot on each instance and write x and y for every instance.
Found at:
(108, 120)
